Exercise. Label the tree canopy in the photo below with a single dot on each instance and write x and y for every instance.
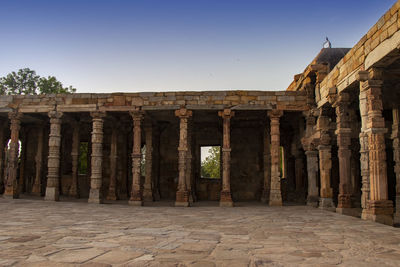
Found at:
(27, 82)
(210, 166)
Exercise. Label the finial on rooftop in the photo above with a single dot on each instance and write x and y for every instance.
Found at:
(327, 43)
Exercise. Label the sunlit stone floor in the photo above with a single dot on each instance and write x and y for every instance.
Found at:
(69, 233)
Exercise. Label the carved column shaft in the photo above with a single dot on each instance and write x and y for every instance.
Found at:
(11, 183)
(343, 132)
(53, 164)
(267, 164)
(2, 144)
(112, 189)
(22, 151)
(275, 197)
(96, 178)
(182, 194)
(74, 189)
(380, 207)
(364, 155)
(226, 196)
(148, 182)
(189, 162)
(325, 162)
(136, 191)
(396, 157)
(38, 162)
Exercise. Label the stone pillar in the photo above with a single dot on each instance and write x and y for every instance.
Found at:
(189, 162)
(136, 191)
(53, 163)
(148, 182)
(343, 132)
(182, 194)
(267, 164)
(325, 162)
(74, 189)
(11, 183)
(123, 162)
(380, 208)
(37, 185)
(312, 175)
(396, 157)
(22, 160)
(226, 197)
(96, 178)
(112, 189)
(275, 196)
(2, 144)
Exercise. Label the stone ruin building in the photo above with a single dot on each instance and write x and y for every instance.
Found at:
(331, 140)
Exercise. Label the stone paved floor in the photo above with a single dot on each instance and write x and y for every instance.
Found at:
(39, 233)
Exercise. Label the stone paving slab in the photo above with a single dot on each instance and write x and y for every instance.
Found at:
(38, 233)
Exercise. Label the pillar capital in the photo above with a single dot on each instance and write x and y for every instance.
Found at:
(15, 115)
(183, 113)
(137, 114)
(98, 114)
(226, 113)
(275, 113)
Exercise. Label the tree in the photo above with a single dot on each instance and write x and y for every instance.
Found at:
(27, 82)
(210, 166)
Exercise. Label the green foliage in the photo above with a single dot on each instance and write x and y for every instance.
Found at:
(27, 82)
(210, 166)
(83, 158)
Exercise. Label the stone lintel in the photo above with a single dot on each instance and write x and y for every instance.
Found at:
(161, 107)
(35, 109)
(77, 108)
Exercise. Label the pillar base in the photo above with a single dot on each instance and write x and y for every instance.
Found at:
(380, 211)
(148, 195)
(111, 197)
(95, 196)
(137, 203)
(10, 196)
(344, 201)
(182, 204)
(275, 198)
(349, 211)
(396, 219)
(52, 194)
(73, 192)
(226, 199)
(326, 204)
(36, 189)
(226, 203)
(312, 201)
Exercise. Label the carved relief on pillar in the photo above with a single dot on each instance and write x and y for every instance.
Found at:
(182, 194)
(136, 191)
(96, 178)
(53, 164)
(226, 196)
(325, 161)
(112, 188)
(275, 196)
(36, 189)
(267, 164)
(380, 208)
(11, 183)
(396, 157)
(74, 189)
(148, 182)
(311, 152)
(343, 132)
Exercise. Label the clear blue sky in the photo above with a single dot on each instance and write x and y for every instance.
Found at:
(158, 45)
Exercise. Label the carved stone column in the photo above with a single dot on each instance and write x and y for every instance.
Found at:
(136, 192)
(226, 197)
(325, 162)
(148, 182)
(182, 194)
(96, 178)
(123, 162)
(396, 157)
(22, 160)
(74, 189)
(11, 183)
(2, 144)
(267, 164)
(37, 185)
(112, 189)
(189, 162)
(343, 132)
(53, 164)
(380, 208)
(275, 196)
